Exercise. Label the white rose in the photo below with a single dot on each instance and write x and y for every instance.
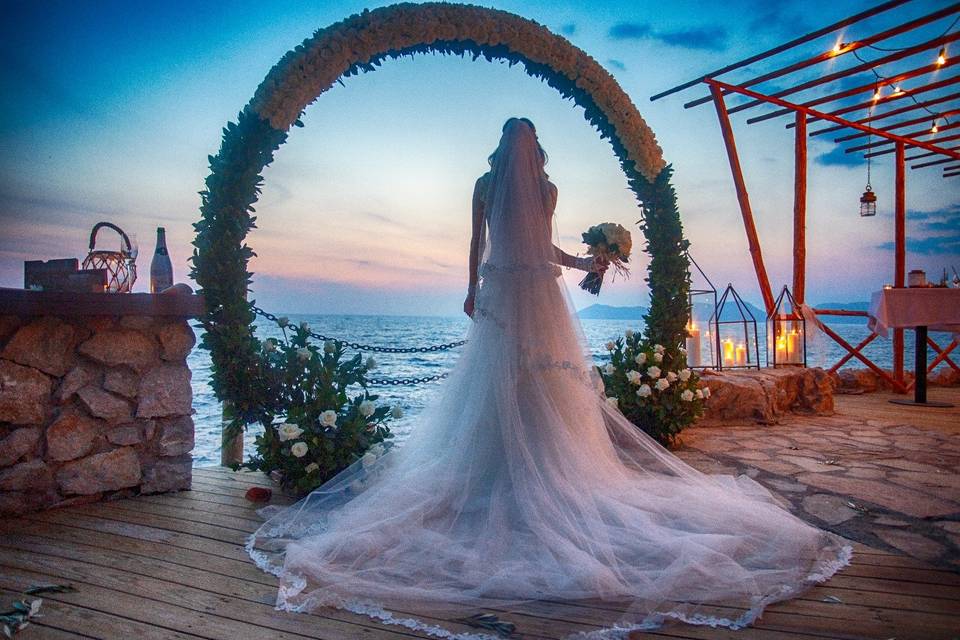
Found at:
(288, 431)
(304, 326)
(671, 376)
(609, 369)
(700, 393)
(283, 321)
(368, 459)
(269, 345)
(654, 372)
(311, 468)
(303, 354)
(613, 402)
(628, 333)
(662, 384)
(328, 418)
(641, 358)
(644, 391)
(684, 375)
(371, 363)
(329, 346)
(396, 412)
(706, 392)
(658, 357)
(611, 345)
(633, 377)
(658, 348)
(367, 408)
(687, 395)
(299, 449)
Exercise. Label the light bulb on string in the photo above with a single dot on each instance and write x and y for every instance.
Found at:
(942, 56)
(837, 48)
(876, 94)
(897, 91)
(933, 128)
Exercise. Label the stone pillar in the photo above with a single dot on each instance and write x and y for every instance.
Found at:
(93, 406)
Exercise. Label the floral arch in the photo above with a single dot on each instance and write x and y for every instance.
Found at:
(361, 43)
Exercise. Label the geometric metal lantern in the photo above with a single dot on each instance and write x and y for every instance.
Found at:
(703, 339)
(736, 333)
(120, 265)
(786, 333)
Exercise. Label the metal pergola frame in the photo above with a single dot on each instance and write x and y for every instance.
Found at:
(806, 111)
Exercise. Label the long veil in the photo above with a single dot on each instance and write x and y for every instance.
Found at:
(521, 486)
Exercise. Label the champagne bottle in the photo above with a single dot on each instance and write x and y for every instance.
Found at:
(161, 271)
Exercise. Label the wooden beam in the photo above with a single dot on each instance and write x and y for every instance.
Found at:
(925, 154)
(871, 104)
(934, 162)
(943, 354)
(884, 152)
(907, 123)
(743, 198)
(786, 46)
(892, 112)
(899, 251)
(871, 87)
(849, 48)
(800, 209)
(909, 138)
(929, 45)
(886, 135)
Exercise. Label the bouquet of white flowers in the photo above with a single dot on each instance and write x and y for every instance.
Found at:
(612, 242)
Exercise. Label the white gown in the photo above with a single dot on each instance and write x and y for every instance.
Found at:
(522, 484)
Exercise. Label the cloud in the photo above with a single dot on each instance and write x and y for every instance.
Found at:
(838, 158)
(779, 17)
(568, 29)
(932, 232)
(616, 64)
(708, 38)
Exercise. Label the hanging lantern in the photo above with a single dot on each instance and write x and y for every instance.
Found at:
(120, 265)
(868, 203)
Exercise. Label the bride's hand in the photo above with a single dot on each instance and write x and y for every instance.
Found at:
(600, 265)
(468, 304)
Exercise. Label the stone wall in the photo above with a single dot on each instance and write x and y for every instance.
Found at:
(93, 407)
(766, 395)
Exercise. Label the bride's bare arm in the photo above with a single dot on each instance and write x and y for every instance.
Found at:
(563, 258)
(475, 239)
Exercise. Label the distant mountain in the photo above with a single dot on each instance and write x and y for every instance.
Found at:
(606, 312)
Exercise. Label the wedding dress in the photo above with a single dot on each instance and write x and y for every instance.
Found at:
(521, 484)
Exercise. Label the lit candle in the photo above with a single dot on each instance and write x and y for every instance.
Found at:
(792, 353)
(741, 354)
(781, 353)
(728, 352)
(693, 345)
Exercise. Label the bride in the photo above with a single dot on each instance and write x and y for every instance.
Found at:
(521, 484)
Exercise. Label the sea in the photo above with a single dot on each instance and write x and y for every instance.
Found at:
(411, 331)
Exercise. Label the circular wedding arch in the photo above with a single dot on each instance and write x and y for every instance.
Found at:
(361, 43)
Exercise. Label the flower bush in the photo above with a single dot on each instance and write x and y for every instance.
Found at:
(314, 428)
(652, 386)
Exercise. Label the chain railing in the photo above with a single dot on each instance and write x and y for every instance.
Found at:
(434, 348)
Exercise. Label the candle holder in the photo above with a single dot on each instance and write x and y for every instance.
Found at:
(786, 333)
(703, 338)
(736, 333)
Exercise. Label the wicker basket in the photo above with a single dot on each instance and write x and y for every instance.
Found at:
(120, 265)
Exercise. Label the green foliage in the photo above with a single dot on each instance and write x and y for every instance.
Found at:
(660, 412)
(309, 393)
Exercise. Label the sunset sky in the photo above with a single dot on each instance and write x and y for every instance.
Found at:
(110, 109)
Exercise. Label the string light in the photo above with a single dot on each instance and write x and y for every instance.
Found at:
(876, 94)
(837, 48)
(897, 91)
(933, 128)
(942, 56)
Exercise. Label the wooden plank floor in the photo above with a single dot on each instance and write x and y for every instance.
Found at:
(173, 567)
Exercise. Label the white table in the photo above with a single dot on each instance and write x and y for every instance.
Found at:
(920, 309)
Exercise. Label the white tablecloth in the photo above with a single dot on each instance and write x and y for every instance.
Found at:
(937, 309)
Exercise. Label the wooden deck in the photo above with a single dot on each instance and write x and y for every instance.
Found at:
(173, 567)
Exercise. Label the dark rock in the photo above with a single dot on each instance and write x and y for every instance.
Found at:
(121, 347)
(80, 376)
(100, 472)
(16, 445)
(176, 436)
(104, 405)
(24, 394)
(71, 436)
(165, 391)
(33, 475)
(121, 380)
(168, 474)
(176, 340)
(46, 344)
(127, 434)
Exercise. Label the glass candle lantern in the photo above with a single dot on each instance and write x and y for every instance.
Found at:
(786, 333)
(702, 343)
(736, 333)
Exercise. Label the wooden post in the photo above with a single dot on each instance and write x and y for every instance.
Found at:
(743, 198)
(900, 251)
(231, 448)
(800, 209)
